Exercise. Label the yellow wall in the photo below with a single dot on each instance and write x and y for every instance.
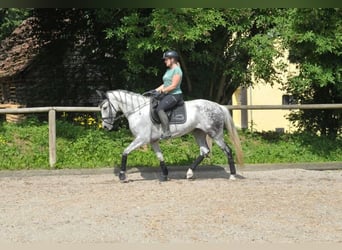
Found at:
(267, 120)
(264, 94)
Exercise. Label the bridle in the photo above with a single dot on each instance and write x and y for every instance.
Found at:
(112, 108)
(110, 116)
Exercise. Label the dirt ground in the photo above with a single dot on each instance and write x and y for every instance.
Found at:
(286, 205)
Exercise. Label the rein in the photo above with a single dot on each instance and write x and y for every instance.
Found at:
(110, 113)
(115, 118)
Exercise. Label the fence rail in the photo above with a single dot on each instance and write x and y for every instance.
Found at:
(52, 116)
(286, 107)
(47, 109)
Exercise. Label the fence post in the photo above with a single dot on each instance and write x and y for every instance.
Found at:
(52, 137)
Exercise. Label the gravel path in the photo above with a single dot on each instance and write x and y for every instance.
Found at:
(289, 205)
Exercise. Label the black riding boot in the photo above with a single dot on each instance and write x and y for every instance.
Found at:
(165, 124)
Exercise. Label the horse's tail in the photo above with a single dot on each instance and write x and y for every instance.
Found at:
(234, 136)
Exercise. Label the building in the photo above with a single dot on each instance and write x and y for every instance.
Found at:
(49, 73)
(261, 93)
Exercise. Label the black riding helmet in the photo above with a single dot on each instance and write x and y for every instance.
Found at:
(171, 54)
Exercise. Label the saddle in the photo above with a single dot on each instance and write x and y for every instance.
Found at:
(176, 115)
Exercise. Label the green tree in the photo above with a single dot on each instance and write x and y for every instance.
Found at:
(216, 47)
(219, 48)
(10, 18)
(65, 32)
(314, 38)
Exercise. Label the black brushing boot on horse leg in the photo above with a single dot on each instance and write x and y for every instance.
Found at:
(197, 162)
(230, 158)
(165, 171)
(122, 174)
(231, 161)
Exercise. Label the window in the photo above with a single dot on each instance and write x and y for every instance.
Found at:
(288, 100)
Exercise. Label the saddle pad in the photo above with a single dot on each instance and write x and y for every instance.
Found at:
(176, 115)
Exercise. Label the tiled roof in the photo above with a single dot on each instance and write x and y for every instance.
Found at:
(18, 50)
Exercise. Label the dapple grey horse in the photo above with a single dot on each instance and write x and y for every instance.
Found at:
(203, 118)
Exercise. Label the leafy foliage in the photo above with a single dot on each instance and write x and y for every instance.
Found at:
(26, 147)
(10, 18)
(78, 35)
(220, 49)
(314, 37)
(216, 46)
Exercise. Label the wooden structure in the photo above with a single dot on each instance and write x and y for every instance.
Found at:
(16, 52)
(37, 73)
(13, 118)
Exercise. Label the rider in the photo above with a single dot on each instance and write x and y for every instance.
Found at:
(172, 80)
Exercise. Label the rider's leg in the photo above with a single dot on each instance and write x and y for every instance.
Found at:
(168, 102)
(165, 124)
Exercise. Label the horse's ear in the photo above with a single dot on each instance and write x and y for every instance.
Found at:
(102, 94)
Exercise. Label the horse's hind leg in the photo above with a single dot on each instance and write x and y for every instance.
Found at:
(200, 137)
(228, 151)
(160, 157)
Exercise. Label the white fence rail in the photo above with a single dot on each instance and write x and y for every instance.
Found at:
(52, 116)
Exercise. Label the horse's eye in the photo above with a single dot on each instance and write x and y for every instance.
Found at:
(105, 108)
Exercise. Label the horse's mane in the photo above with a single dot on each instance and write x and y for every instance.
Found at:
(124, 95)
(127, 92)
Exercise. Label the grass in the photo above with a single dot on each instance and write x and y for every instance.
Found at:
(25, 146)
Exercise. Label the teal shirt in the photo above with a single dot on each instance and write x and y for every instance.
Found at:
(167, 79)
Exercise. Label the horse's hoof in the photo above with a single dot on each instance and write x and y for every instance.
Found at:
(122, 176)
(163, 178)
(232, 177)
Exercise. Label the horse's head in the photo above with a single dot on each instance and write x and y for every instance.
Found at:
(108, 111)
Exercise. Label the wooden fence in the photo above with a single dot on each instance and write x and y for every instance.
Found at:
(52, 116)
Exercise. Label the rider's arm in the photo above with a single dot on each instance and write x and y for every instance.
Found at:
(175, 81)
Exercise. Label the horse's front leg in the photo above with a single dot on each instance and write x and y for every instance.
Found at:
(159, 154)
(138, 142)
